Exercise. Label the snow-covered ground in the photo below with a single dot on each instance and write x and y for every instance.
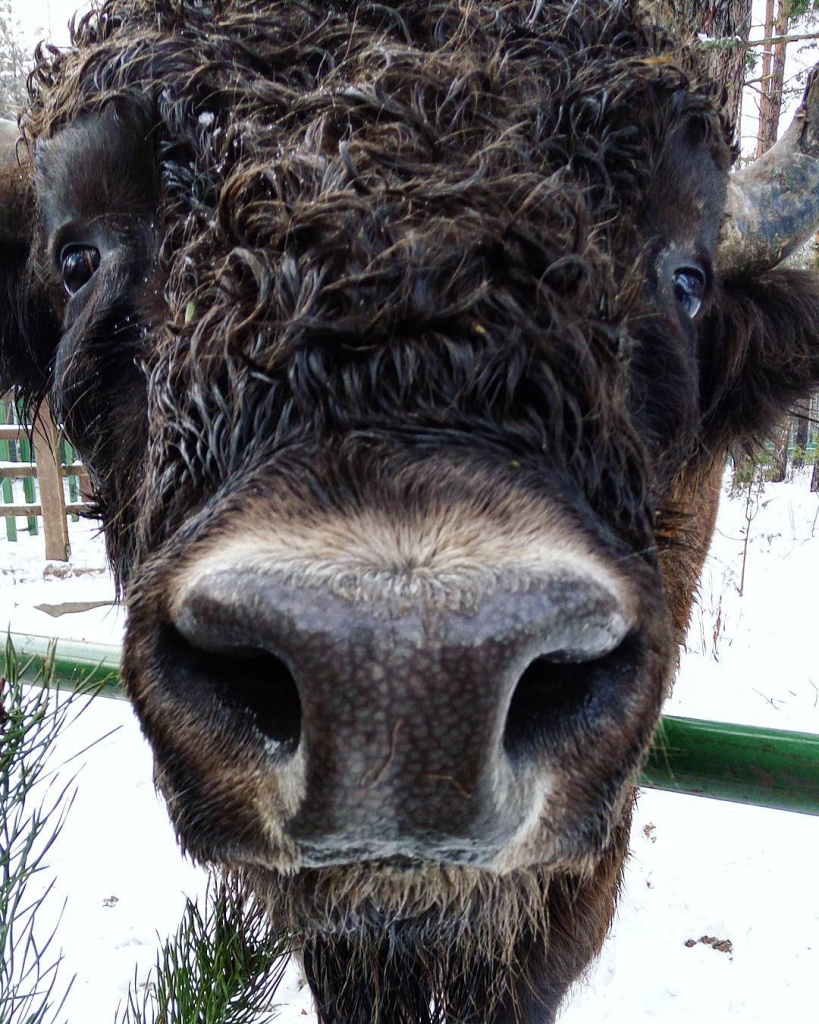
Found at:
(743, 878)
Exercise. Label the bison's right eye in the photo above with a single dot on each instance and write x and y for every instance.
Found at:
(689, 289)
(78, 264)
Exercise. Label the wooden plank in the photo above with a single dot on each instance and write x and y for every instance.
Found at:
(21, 510)
(50, 479)
(12, 431)
(24, 469)
(74, 508)
(17, 469)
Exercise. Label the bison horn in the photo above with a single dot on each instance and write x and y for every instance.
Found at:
(773, 204)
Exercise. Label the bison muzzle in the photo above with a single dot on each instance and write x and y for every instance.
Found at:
(404, 344)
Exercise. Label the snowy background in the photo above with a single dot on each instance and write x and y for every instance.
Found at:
(743, 877)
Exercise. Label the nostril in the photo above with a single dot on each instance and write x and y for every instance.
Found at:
(253, 684)
(559, 694)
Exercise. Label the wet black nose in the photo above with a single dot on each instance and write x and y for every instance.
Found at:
(410, 724)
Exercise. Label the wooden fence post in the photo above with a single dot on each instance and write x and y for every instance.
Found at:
(50, 479)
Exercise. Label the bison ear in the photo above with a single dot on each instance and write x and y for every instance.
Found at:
(28, 330)
(759, 354)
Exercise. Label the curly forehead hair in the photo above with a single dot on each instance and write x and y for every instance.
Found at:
(417, 210)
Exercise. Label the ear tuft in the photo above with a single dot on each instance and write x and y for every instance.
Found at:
(759, 355)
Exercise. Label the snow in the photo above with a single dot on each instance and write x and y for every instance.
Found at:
(28, 582)
(699, 869)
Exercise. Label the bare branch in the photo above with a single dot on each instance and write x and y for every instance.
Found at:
(777, 40)
(732, 41)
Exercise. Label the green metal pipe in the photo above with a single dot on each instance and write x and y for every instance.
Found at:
(743, 764)
(69, 664)
(740, 763)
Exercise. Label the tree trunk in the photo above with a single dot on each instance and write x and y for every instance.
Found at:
(718, 20)
(770, 107)
(782, 436)
(773, 77)
(813, 406)
(800, 421)
(767, 122)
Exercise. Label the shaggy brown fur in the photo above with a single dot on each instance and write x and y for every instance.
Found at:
(457, 173)
(354, 252)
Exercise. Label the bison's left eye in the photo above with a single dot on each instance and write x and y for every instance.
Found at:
(78, 264)
(689, 289)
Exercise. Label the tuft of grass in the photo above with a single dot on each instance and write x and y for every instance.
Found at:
(33, 807)
(222, 966)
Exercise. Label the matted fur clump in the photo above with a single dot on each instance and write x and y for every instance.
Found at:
(358, 197)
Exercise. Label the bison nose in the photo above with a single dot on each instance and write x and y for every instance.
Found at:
(411, 725)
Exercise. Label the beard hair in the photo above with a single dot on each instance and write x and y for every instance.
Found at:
(429, 943)
(385, 944)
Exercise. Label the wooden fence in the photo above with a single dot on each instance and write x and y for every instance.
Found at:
(50, 462)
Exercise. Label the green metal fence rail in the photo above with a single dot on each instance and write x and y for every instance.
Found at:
(73, 665)
(741, 763)
(763, 767)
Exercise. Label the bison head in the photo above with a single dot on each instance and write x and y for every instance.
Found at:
(398, 344)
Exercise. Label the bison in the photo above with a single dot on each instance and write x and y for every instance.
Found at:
(404, 343)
